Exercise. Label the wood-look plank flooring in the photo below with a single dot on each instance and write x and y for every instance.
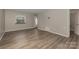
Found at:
(38, 39)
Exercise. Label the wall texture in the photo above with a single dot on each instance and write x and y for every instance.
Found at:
(2, 23)
(55, 21)
(10, 21)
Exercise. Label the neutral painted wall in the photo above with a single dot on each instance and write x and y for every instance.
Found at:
(10, 21)
(55, 21)
(2, 23)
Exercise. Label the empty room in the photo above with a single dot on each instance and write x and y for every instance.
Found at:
(39, 29)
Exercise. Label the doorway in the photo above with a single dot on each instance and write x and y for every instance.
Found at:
(36, 21)
(74, 24)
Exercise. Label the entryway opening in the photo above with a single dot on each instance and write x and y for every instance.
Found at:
(36, 21)
(74, 21)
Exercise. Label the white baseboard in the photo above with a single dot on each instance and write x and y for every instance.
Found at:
(54, 32)
(18, 29)
(2, 36)
(59, 34)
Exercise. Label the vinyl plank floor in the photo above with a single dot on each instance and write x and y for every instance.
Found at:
(38, 39)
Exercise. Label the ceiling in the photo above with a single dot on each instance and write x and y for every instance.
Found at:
(31, 10)
(36, 11)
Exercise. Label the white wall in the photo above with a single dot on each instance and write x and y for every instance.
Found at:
(2, 23)
(10, 21)
(59, 22)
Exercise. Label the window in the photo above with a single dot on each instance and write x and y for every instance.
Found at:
(20, 20)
